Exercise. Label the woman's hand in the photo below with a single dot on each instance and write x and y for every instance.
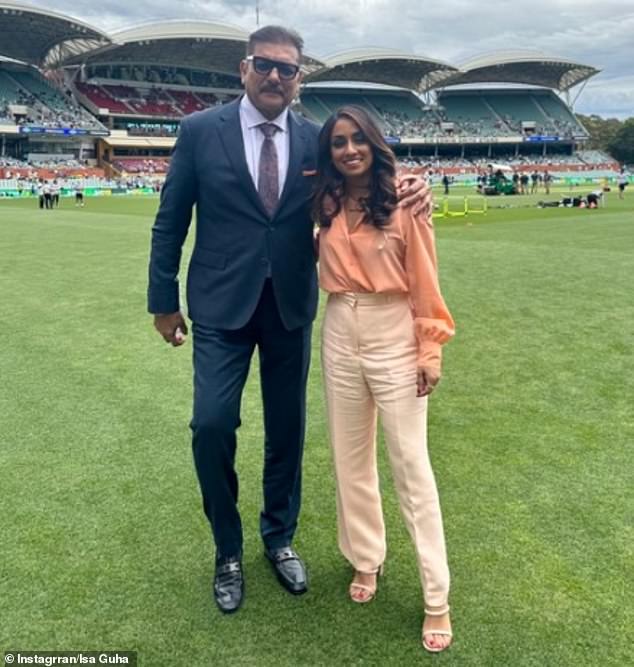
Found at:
(414, 191)
(427, 377)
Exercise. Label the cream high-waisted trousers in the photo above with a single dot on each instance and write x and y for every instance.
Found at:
(369, 366)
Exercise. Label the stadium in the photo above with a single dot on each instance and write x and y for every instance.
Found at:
(75, 100)
(105, 545)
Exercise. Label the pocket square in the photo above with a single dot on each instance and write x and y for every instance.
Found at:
(309, 172)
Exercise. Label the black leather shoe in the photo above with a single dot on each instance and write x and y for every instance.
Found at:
(290, 570)
(228, 585)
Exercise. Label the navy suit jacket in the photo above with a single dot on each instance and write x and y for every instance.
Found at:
(236, 240)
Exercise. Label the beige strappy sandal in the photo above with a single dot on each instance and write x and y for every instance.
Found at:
(427, 633)
(364, 588)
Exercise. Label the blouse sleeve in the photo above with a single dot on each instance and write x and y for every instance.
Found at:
(433, 324)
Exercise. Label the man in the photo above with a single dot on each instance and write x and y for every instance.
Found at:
(622, 181)
(55, 190)
(445, 183)
(516, 183)
(547, 179)
(48, 199)
(40, 193)
(79, 194)
(249, 168)
(534, 181)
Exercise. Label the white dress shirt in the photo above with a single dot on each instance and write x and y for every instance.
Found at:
(253, 139)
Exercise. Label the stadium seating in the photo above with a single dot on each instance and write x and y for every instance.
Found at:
(9, 94)
(9, 89)
(404, 115)
(471, 114)
(49, 107)
(147, 105)
(558, 112)
(209, 99)
(130, 100)
(144, 102)
(142, 165)
(102, 99)
(592, 157)
(401, 105)
(495, 113)
(514, 109)
(546, 110)
(398, 115)
(187, 101)
(481, 114)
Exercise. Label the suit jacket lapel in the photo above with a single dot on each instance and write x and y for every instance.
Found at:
(296, 153)
(231, 136)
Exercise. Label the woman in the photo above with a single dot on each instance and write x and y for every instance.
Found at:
(384, 325)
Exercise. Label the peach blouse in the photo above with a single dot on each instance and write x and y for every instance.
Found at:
(400, 258)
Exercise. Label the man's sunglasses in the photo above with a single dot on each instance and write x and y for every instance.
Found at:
(264, 66)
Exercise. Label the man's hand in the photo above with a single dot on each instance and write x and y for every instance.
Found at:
(427, 378)
(413, 190)
(172, 327)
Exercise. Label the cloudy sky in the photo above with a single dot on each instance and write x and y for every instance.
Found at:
(598, 33)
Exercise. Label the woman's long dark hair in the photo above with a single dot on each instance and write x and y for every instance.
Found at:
(329, 189)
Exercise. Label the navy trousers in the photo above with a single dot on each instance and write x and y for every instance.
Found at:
(221, 366)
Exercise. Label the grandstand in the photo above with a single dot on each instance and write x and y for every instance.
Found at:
(194, 66)
(503, 112)
(73, 94)
(27, 98)
(400, 112)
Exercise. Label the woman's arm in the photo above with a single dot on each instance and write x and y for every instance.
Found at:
(433, 324)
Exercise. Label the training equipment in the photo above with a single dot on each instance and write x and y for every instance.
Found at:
(454, 207)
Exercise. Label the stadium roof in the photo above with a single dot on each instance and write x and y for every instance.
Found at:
(197, 44)
(177, 29)
(528, 67)
(385, 66)
(205, 45)
(42, 37)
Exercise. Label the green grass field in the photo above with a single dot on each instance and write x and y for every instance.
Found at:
(104, 543)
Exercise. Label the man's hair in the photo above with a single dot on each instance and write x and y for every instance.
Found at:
(275, 34)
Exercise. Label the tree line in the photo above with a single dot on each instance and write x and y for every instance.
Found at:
(612, 135)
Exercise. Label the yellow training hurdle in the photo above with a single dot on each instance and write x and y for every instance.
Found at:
(454, 207)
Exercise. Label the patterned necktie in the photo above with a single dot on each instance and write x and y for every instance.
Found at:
(268, 186)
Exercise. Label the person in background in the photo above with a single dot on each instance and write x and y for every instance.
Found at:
(384, 325)
(55, 188)
(534, 181)
(622, 180)
(39, 189)
(547, 179)
(48, 197)
(516, 183)
(445, 183)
